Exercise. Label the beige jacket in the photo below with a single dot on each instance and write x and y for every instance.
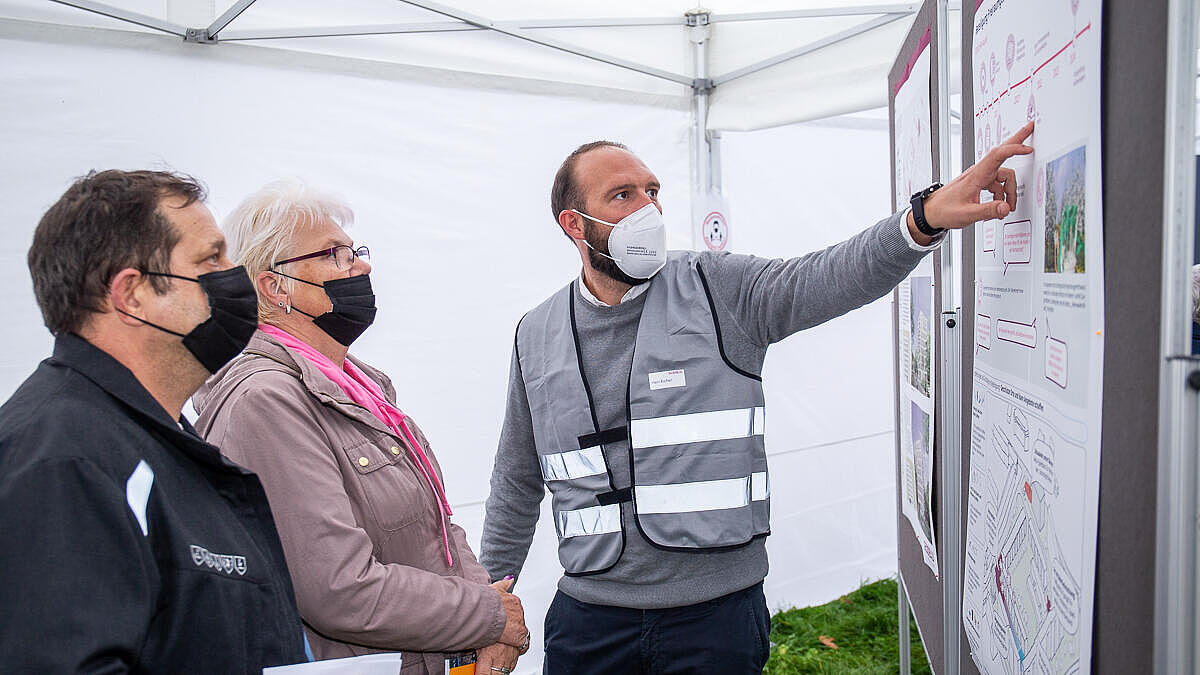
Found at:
(360, 527)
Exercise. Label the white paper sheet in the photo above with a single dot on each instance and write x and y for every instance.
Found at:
(914, 172)
(1035, 405)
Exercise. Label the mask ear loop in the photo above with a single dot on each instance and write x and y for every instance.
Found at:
(287, 309)
(588, 243)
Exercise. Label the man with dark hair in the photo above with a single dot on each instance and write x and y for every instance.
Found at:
(126, 542)
(635, 398)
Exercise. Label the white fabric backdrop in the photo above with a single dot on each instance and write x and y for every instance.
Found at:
(451, 191)
(830, 446)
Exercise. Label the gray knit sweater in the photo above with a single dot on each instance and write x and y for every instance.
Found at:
(759, 301)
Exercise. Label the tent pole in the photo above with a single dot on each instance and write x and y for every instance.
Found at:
(125, 15)
(811, 47)
(520, 34)
(699, 32)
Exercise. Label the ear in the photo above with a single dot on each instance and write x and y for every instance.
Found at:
(270, 288)
(571, 223)
(125, 293)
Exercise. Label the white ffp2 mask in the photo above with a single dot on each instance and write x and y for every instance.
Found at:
(638, 243)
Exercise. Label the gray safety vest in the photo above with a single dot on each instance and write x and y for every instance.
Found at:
(695, 428)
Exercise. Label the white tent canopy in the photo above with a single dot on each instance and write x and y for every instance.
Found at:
(766, 62)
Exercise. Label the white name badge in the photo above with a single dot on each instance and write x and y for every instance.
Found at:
(667, 379)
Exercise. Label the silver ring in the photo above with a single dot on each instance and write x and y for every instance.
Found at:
(502, 669)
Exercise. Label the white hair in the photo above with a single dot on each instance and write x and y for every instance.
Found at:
(1196, 293)
(262, 229)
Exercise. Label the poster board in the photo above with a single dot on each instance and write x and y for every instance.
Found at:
(1133, 95)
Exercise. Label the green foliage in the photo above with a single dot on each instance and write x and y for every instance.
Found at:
(864, 625)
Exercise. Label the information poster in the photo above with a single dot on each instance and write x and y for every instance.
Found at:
(1035, 404)
(914, 172)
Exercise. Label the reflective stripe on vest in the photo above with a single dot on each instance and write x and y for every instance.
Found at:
(573, 464)
(590, 521)
(706, 495)
(717, 425)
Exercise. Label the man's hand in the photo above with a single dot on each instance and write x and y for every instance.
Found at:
(957, 205)
(495, 658)
(501, 657)
(514, 626)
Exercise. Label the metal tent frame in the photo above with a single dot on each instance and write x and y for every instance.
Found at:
(697, 23)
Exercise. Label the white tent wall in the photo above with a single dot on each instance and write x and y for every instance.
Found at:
(450, 186)
(792, 190)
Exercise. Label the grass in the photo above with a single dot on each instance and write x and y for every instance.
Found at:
(864, 625)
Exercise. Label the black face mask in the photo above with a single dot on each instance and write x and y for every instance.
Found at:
(353, 307)
(234, 318)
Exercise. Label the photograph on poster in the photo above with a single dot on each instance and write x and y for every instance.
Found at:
(1065, 188)
(923, 467)
(921, 344)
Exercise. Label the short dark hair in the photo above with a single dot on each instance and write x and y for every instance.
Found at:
(105, 222)
(566, 194)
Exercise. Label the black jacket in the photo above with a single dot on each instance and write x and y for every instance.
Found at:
(126, 542)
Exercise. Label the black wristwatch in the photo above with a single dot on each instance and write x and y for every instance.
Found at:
(918, 211)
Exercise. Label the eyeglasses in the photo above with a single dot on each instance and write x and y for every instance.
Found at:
(343, 256)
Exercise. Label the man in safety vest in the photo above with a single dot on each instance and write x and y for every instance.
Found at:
(635, 398)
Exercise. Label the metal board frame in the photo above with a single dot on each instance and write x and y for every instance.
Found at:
(924, 592)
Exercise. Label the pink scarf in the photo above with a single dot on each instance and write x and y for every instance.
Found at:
(365, 392)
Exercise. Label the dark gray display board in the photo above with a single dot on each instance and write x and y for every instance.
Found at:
(923, 588)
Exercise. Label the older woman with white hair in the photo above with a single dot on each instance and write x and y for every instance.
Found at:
(355, 489)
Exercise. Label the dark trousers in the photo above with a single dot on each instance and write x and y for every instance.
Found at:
(727, 635)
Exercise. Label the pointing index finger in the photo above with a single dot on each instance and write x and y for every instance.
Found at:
(990, 163)
(1021, 134)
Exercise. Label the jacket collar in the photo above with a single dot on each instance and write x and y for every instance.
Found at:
(97, 365)
(321, 387)
(109, 374)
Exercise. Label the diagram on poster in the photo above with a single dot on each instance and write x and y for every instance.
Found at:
(1034, 486)
(914, 172)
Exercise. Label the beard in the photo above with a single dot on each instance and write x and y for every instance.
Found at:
(606, 266)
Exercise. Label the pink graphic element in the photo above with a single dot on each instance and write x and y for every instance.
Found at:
(1016, 243)
(912, 59)
(1031, 109)
(989, 237)
(1041, 187)
(1056, 361)
(983, 331)
(1074, 6)
(983, 84)
(1024, 334)
(1010, 51)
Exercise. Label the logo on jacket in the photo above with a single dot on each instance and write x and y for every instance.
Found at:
(220, 562)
